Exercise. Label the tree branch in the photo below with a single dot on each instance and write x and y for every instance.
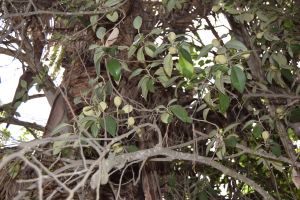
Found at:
(22, 123)
(10, 104)
(175, 155)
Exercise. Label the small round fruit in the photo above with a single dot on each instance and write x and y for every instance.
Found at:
(279, 110)
(215, 42)
(130, 121)
(172, 50)
(127, 108)
(117, 101)
(215, 8)
(139, 131)
(171, 37)
(265, 135)
(221, 59)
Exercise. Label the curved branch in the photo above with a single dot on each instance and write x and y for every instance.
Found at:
(10, 104)
(174, 155)
(22, 123)
(19, 55)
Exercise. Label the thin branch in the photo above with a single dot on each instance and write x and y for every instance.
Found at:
(271, 96)
(22, 123)
(78, 13)
(10, 104)
(159, 151)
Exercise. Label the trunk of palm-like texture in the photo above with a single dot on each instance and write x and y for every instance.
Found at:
(79, 69)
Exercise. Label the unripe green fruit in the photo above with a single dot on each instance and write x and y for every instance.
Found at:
(130, 121)
(127, 108)
(215, 42)
(172, 50)
(215, 8)
(118, 147)
(221, 59)
(171, 37)
(279, 110)
(117, 101)
(265, 135)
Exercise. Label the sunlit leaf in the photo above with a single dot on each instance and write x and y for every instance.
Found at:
(186, 66)
(180, 113)
(168, 65)
(137, 22)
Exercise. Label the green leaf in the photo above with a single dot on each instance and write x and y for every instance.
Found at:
(168, 65)
(137, 22)
(257, 130)
(172, 181)
(235, 44)
(143, 84)
(231, 140)
(150, 51)
(110, 124)
(238, 78)
(270, 36)
(180, 113)
(224, 102)
(113, 17)
(205, 50)
(114, 68)
(23, 84)
(156, 31)
(185, 63)
(14, 169)
(110, 3)
(95, 129)
(94, 20)
(61, 127)
(100, 33)
(60, 144)
(219, 82)
(276, 150)
(229, 127)
(97, 59)
(166, 118)
(140, 55)
(280, 59)
(131, 50)
(171, 5)
(245, 17)
(136, 72)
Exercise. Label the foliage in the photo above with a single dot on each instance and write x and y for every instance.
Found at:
(138, 93)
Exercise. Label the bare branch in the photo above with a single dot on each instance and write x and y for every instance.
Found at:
(22, 123)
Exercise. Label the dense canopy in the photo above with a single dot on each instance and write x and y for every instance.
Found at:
(159, 99)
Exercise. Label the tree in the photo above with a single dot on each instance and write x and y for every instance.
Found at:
(147, 109)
